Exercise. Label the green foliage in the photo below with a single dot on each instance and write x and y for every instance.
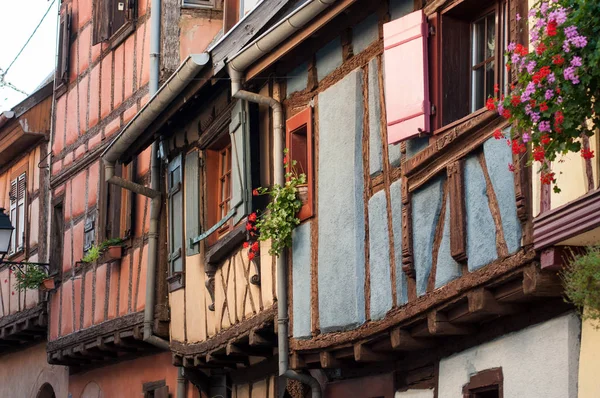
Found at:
(278, 222)
(581, 279)
(30, 276)
(96, 251)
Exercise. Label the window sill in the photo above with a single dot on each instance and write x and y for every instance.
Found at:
(460, 121)
(226, 245)
(120, 35)
(176, 281)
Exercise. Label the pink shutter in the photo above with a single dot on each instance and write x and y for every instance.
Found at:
(406, 77)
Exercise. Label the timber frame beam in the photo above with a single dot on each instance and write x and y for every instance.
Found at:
(23, 328)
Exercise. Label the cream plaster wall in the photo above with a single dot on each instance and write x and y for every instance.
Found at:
(540, 361)
(23, 373)
(589, 361)
(415, 394)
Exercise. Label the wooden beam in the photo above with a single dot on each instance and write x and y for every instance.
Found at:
(541, 284)
(255, 338)
(482, 301)
(438, 325)
(297, 361)
(403, 341)
(458, 232)
(328, 361)
(239, 350)
(362, 353)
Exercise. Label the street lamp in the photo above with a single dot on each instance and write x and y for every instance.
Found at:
(6, 230)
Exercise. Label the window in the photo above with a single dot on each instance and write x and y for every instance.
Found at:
(485, 384)
(17, 212)
(198, 3)
(156, 389)
(175, 198)
(218, 166)
(113, 19)
(89, 233)
(119, 206)
(300, 146)
(467, 60)
(441, 68)
(56, 239)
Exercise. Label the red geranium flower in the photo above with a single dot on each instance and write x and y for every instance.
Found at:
(539, 154)
(540, 49)
(551, 28)
(547, 178)
(543, 106)
(246, 245)
(285, 160)
(587, 153)
(498, 134)
(251, 256)
(506, 114)
(558, 59)
(511, 167)
(545, 139)
(490, 104)
(255, 247)
(249, 226)
(515, 100)
(496, 88)
(518, 147)
(252, 217)
(255, 192)
(559, 118)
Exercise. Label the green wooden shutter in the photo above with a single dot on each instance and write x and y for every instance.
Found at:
(192, 201)
(240, 160)
(175, 197)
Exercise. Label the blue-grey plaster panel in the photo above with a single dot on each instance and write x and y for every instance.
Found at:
(481, 230)
(341, 227)
(426, 208)
(396, 201)
(365, 33)
(447, 269)
(498, 156)
(297, 79)
(375, 148)
(416, 145)
(301, 279)
(329, 58)
(400, 8)
(379, 255)
(394, 154)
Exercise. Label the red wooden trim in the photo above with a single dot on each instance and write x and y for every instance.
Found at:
(571, 219)
(483, 381)
(296, 122)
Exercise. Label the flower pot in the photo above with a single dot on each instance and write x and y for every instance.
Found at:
(114, 253)
(48, 284)
(303, 193)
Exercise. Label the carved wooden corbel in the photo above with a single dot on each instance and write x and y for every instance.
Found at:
(458, 232)
(407, 249)
(210, 284)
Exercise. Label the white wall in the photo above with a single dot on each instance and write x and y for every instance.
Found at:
(415, 394)
(540, 361)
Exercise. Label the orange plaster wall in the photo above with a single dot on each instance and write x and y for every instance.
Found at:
(126, 379)
(196, 34)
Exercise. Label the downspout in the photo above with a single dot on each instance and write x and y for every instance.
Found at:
(153, 192)
(282, 301)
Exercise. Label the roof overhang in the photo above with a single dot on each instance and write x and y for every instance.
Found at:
(177, 82)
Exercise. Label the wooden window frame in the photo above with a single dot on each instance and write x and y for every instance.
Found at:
(212, 155)
(298, 123)
(486, 380)
(20, 220)
(57, 228)
(102, 33)
(149, 389)
(61, 75)
(200, 4)
(437, 63)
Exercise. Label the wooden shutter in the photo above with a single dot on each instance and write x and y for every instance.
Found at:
(192, 201)
(17, 211)
(407, 77)
(13, 214)
(240, 160)
(113, 207)
(62, 67)
(231, 14)
(175, 197)
(299, 143)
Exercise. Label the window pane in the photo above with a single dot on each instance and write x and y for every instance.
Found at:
(489, 79)
(177, 220)
(491, 36)
(478, 41)
(477, 94)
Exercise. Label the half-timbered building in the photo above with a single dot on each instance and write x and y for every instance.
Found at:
(24, 137)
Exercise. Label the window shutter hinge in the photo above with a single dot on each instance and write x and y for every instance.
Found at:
(431, 30)
(433, 109)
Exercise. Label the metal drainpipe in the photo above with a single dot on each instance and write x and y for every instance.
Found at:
(282, 301)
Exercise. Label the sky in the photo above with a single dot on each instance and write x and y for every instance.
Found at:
(18, 19)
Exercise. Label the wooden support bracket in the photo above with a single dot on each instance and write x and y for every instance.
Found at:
(403, 341)
(328, 361)
(362, 353)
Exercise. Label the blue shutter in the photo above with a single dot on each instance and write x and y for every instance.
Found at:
(175, 197)
(192, 202)
(240, 160)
